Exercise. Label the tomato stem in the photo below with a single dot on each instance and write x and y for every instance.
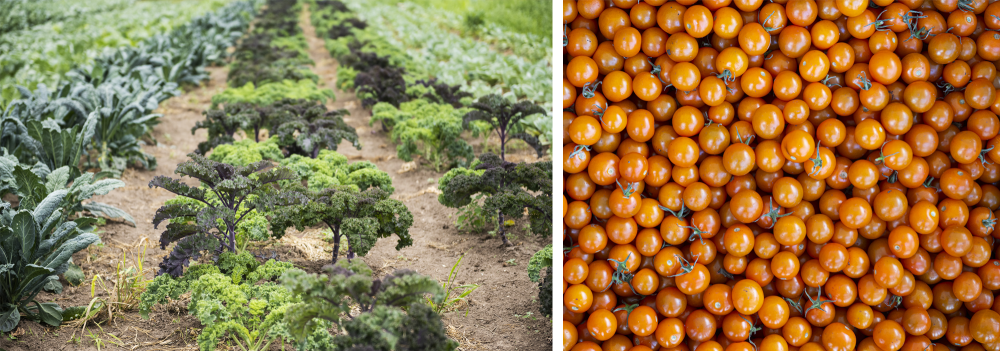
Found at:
(629, 189)
(879, 23)
(818, 301)
(695, 233)
(686, 266)
(565, 37)
(826, 82)
(865, 82)
(982, 155)
(774, 213)
(797, 306)
(766, 28)
(817, 161)
(622, 275)
(589, 89)
(578, 152)
(990, 221)
(599, 111)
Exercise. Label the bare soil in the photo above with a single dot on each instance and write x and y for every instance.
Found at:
(501, 314)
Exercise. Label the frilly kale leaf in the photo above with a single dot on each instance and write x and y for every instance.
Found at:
(541, 263)
(510, 189)
(431, 130)
(250, 313)
(246, 152)
(362, 216)
(314, 129)
(270, 93)
(380, 323)
(223, 124)
(238, 191)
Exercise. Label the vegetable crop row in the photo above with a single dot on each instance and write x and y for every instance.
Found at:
(44, 52)
(253, 190)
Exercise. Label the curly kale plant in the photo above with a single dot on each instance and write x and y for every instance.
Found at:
(331, 169)
(540, 271)
(238, 190)
(510, 189)
(505, 119)
(431, 130)
(363, 216)
(223, 123)
(366, 313)
(308, 132)
(249, 313)
(237, 300)
(270, 93)
(246, 152)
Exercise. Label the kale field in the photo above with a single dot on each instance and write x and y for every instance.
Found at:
(275, 175)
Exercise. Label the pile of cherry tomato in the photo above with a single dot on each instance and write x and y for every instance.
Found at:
(750, 175)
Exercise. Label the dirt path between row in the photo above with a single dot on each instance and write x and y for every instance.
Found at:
(503, 313)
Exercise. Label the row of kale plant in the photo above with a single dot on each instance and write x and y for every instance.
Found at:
(285, 173)
(428, 118)
(104, 112)
(49, 138)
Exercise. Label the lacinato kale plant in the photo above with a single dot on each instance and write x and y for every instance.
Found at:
(227, 195)
(38, 241)
(367, 313)
(509, 189)
(362, 216)
(505, 118)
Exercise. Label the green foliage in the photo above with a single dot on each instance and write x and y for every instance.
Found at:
(366, 313)
(46, 39)
(32, 185)
(345, 78)
(37, 246)
(237, 264)
(539, 261)
(472, 218)
(510, 189)
(505, 118)
(165, 287)
(433, 131)
(238, 190)
(270, 93)
(540, 271)
(306, 128)
(461, 292)
(299, 126)
(362, 217)
(276, 50)
(330, 169)
(249, 314)
(246, 152)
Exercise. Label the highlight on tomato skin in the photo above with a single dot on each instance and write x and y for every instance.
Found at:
(781, 175)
